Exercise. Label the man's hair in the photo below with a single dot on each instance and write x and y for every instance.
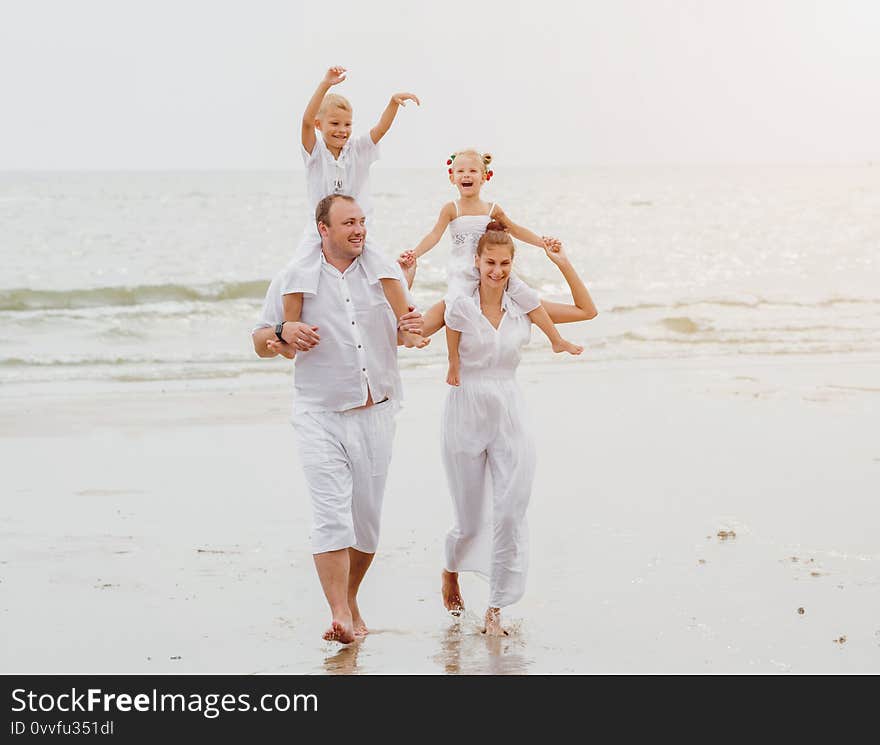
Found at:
(322, 211)
(334, 100)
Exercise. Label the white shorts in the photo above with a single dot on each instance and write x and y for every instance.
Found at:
(345, 457)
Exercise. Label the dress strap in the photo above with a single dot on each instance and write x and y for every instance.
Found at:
(457, 211)
(491, 209)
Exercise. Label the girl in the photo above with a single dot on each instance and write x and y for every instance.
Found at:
(467, 218)
(485, 430)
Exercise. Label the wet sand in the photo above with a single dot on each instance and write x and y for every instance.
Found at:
(701, 516)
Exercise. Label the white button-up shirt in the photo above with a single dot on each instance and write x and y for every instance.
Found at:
(358, 347)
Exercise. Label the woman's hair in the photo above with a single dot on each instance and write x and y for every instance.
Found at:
(496, 235)
(484, 158)
(334, 100)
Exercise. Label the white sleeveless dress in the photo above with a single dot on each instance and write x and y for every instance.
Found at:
(463, 277)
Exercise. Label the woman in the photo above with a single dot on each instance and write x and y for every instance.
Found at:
(486, 437)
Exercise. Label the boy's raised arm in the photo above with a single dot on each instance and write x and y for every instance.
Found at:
(333, 76)
(387, 118)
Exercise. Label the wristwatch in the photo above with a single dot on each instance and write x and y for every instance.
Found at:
(279, 327)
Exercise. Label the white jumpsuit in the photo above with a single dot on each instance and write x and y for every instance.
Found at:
(462, 276)
(488, 452)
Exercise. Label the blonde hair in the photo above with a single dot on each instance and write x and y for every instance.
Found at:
(334, 100)
(484, 158)
(496, 235)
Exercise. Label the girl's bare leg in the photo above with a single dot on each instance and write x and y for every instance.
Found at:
(453, 375)
(541, 318)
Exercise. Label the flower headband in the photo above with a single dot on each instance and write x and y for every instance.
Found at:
(486, 162)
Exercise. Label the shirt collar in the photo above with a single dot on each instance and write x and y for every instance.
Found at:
(343, 154)
(328, 267)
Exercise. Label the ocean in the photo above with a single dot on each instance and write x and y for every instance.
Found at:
(158, 276)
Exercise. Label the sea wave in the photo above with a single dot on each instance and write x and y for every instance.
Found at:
(751, 303)
(26, 299)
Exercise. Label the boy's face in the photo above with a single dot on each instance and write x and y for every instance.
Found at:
(335, 126)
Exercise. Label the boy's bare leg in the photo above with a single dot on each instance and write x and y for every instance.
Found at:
(453, 375)
(333, 571)
(541, 318)
(358, 563)
(452, 599)
(293, 306)
(396, 297)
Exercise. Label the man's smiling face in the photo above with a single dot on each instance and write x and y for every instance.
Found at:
(346, 231)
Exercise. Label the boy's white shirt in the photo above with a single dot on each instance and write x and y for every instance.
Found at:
(349, 174)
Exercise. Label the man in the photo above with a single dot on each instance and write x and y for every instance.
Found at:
(347, 391)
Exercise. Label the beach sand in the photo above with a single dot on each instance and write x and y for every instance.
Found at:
(698, 516)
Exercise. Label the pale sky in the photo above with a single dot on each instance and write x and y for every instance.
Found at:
(198, 84)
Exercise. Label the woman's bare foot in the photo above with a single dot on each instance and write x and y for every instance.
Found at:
(493, 623)
(566, 346)
(453, 377)
(339, 632)
(452, 599)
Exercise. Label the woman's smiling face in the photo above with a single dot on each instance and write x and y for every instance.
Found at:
(494, 264)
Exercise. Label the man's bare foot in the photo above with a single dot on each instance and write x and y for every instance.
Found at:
(452, 599)
(360, 626)
(566, 346)
(493, 623)
(339, 632)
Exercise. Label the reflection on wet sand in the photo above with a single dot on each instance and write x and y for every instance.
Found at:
(465, 650)
(344, 662)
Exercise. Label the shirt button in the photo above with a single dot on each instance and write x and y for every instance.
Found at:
(363, 369)
(346, 300)
(352, 323)
(359, 346)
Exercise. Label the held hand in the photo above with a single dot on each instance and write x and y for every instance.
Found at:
(300, 336)
(411, 321)
(285, 350)
(334, 75)
(553, 244)
(554, 251)
(407, 259)
(401, 98)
